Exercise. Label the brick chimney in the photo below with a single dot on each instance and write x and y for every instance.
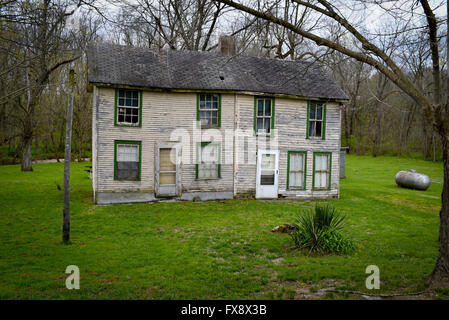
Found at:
(226, 45)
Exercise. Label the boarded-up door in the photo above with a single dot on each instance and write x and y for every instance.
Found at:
(166, 182)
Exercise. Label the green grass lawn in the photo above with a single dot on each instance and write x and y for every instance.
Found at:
(211, 250)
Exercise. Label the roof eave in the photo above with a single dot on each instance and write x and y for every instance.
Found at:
(156, 89)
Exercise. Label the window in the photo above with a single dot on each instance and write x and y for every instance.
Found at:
(267, 169)
(128, 107)
(167, 166)
(208, 160)
(321, 170)
(127, 160)
(263, 115)
(316, 115)
(209, 109)
(296, 170)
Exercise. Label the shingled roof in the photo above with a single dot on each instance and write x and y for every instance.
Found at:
(193, 70)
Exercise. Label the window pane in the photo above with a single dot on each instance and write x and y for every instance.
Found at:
(167, 178)
(128, 94)
(312, 128)
(127, 153)
(259, 124)
(267, 124)
(324, 180)
(135, 103)
(267, 178)
(135, 96)
(319, 112)
(312, 111)
(214, 117)
(167, 159)
(127, 170)
(318, 128)
(321, 162)
(260, 108)
(318, 180)
(209, 153)
(296, 161)
(268, 161)
(209, 101)
(296, 179)
(267, 107)
(121, 93)
(207, 170)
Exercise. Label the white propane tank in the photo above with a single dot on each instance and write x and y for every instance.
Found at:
(412, 180)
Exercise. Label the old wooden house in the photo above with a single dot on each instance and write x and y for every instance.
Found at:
(201, 125)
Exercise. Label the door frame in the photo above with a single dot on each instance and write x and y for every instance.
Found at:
(159, 190)
(258, 172)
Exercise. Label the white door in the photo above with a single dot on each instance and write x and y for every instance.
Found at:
(267, 174)
(166, 171)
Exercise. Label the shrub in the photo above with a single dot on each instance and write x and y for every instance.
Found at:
(320, 230)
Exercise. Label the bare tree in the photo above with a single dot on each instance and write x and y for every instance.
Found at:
(369, 52)
(40, 44)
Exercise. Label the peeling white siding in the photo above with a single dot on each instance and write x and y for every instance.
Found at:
(161, 114)
(164, 112)
(291, 123)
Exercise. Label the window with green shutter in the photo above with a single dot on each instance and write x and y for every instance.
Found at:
(316, 119)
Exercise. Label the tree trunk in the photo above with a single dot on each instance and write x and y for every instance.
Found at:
(440, 275)
(26, 154)
(67, 159)
(378, 132)
(345, 116)
(80, 149)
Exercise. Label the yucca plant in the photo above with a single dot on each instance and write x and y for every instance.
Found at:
(319, 230)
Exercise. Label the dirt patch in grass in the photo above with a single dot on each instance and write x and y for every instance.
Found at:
(332, 289)
(309, 290)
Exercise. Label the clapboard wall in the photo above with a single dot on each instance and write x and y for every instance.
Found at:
(166, 119)
(167, 115)
(291, 125)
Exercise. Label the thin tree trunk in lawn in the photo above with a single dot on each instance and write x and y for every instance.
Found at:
(26, 154)
(80, 147)
(345, 116)
(434, 148)
(440, 275)
(27, 139)
(67, 159)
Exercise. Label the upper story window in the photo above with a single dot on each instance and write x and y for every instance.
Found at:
(128, 107)
(316, 115)
(209, 109)
(264, 115)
